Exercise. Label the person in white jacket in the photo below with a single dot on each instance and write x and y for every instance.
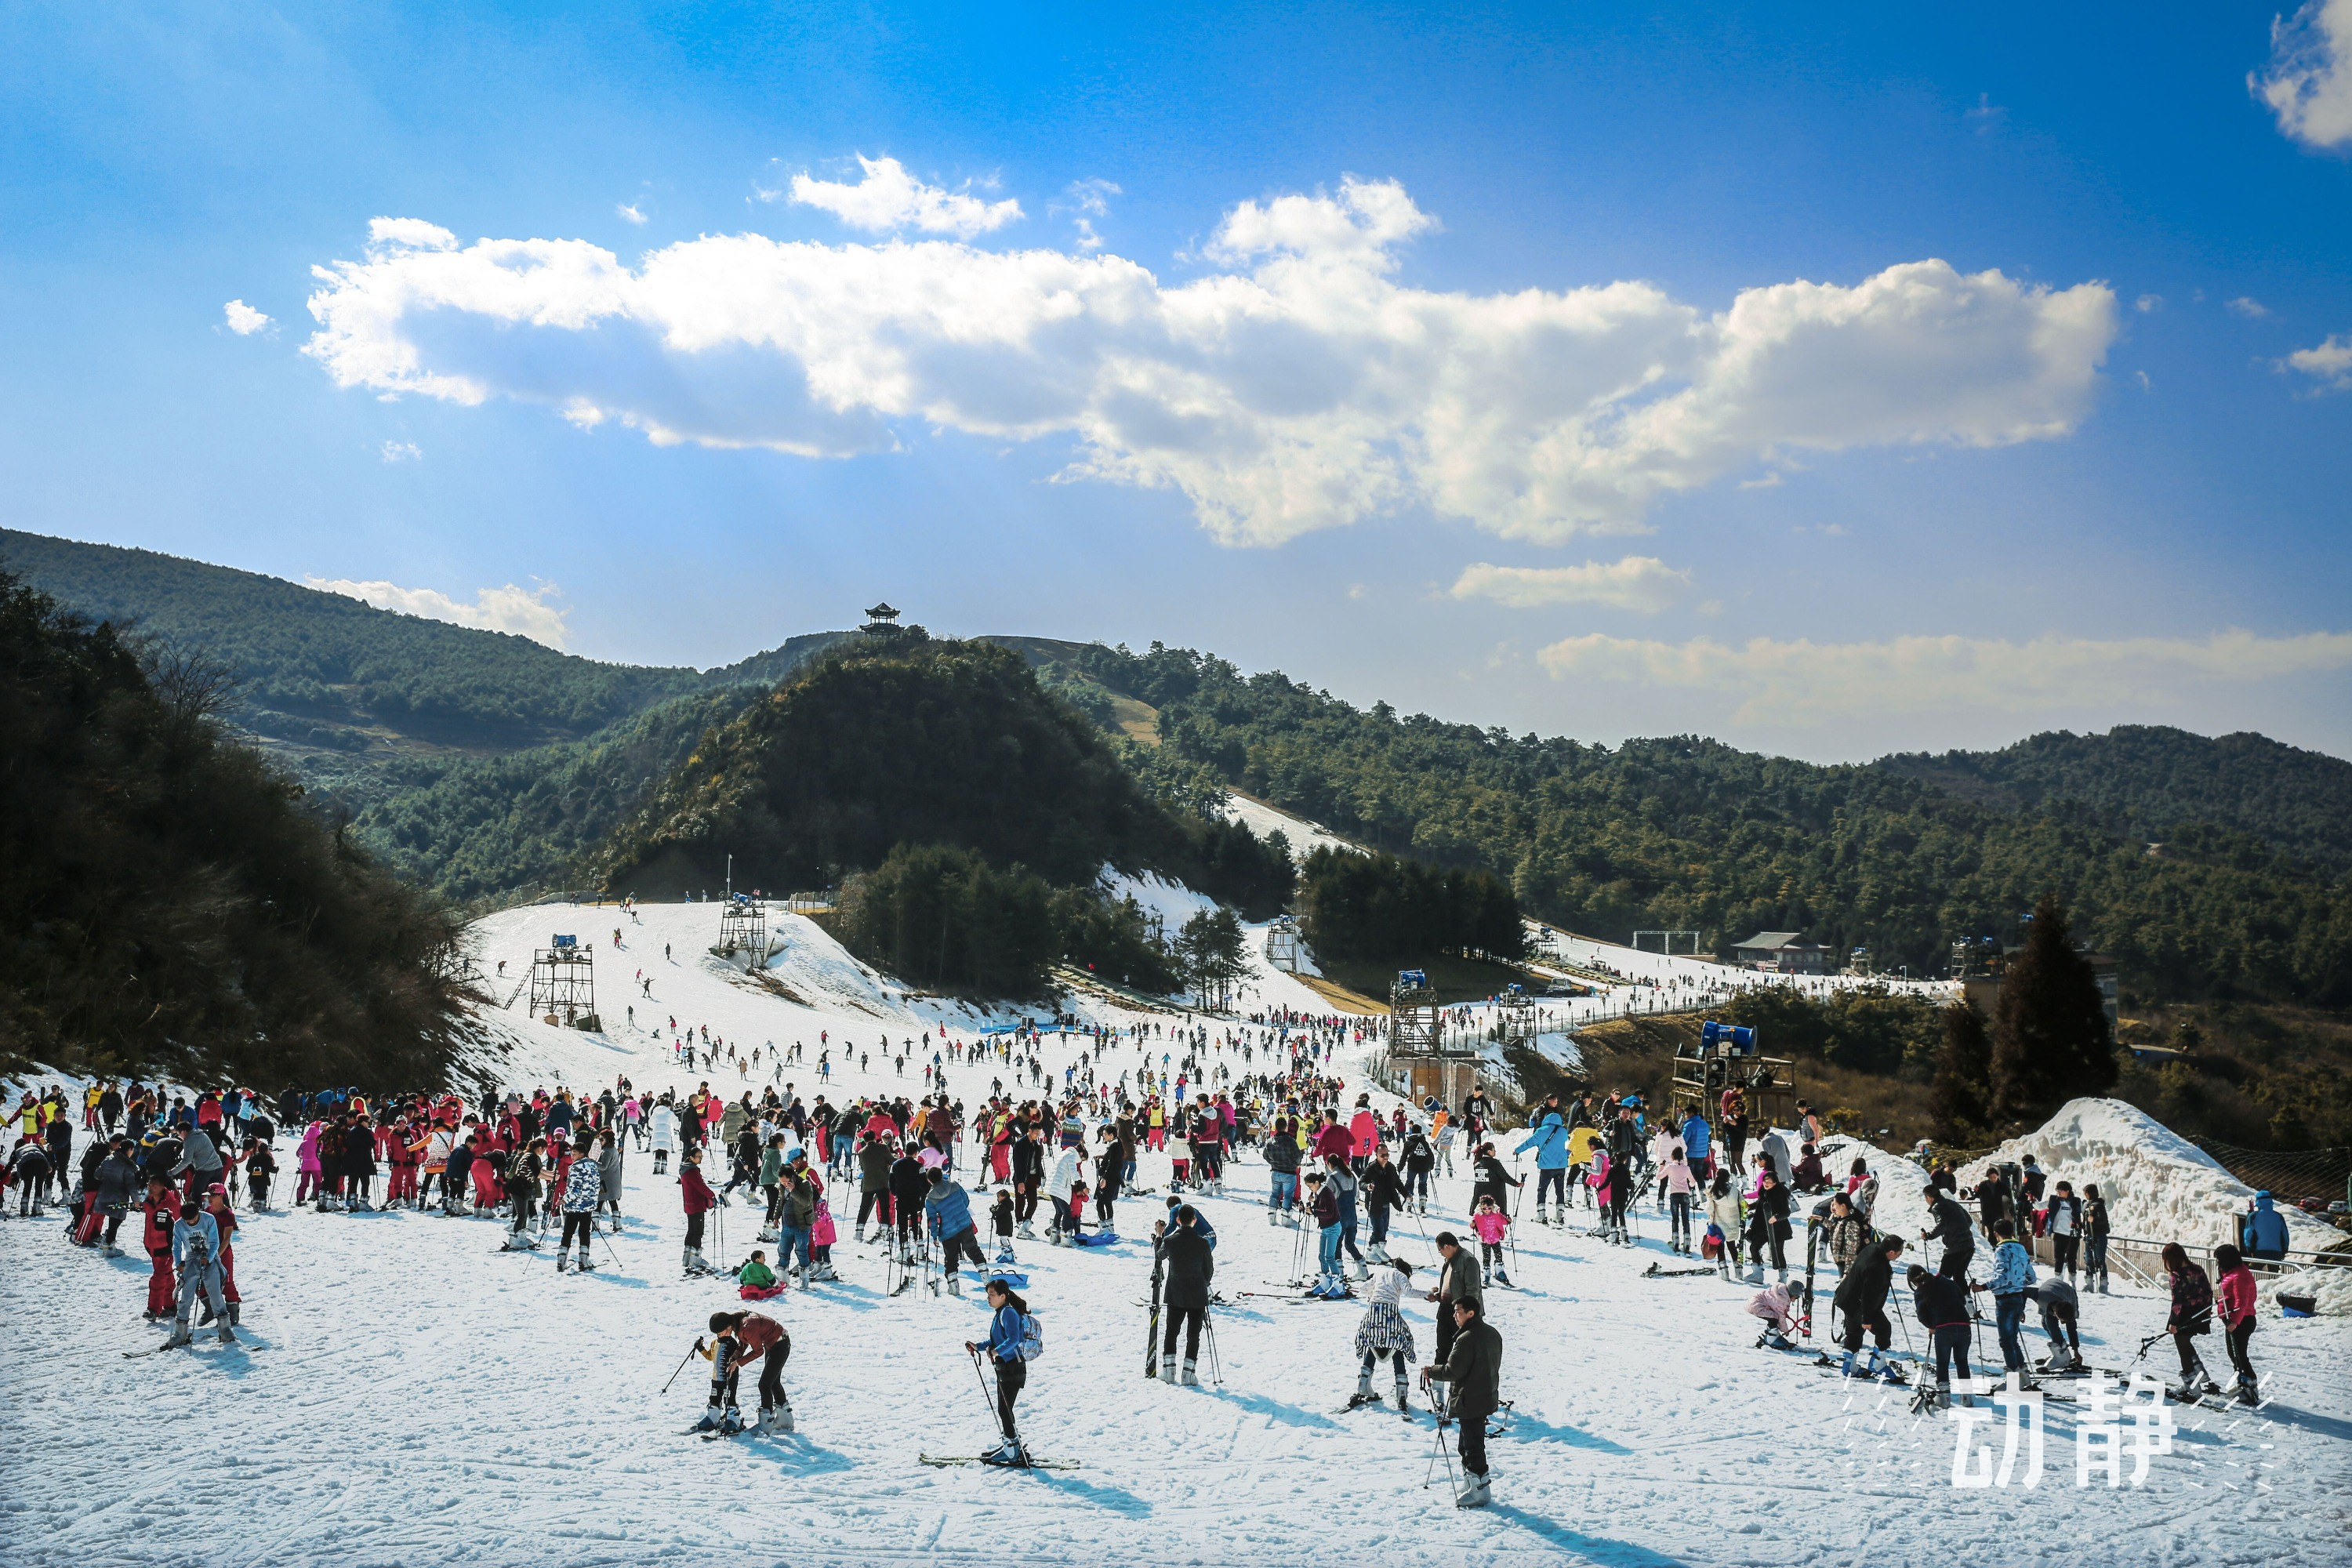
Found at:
(664, 1123)
(1064, 1179)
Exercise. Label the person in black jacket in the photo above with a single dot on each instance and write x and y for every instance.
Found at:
(910, 1185)
(1420, 1159)
(1862, 1297)
(1624, 1159)
(1767, 1222)
(1191, 1265)
(1942, 1305)
(1383, 1191)
(1472, 1372)
(1028, 1177)
(1489, 1179)
(1951, 1228)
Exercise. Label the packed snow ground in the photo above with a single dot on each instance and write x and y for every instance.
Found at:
(409, 1394)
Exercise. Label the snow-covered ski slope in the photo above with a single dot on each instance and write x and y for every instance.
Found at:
(810, 988)
(408, 1395)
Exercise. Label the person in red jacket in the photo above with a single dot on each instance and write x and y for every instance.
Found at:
(162, 1211)
(1333, 1140)
(216, 1200)
(699, 1200)
(2238, 1318)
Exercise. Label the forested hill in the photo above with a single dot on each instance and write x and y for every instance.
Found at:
(1687, 833)
(2153, 783)
(324, 670)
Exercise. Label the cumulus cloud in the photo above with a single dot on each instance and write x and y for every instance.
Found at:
(1299, 385)
(632, 212)
(2246, 305)
(2309, 87)
(523, 611)
(886, 198)
(400, 452)
(1089, 199)
(243, 319)
(2330, 364)
(1803, 682)
(1641, 583)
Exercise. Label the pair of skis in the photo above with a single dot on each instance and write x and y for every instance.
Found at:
(1657, 1271)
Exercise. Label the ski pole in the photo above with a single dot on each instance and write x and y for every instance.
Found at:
(681, 1364)
(1216, 1365)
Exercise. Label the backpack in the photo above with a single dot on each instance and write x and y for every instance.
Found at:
(1033, 1338)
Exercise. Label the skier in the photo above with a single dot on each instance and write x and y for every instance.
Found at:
(1679, 1182)
(2013, 1275)
(1005, 1344)
(698, 1200)
(1943, 1309)
(663, 1125)
(1323, 1206)
(1000, 1224)
(950, 1212)
(1491, 1223)
(1384, 1332)
(195, 1254)
(1459, 1279)
(1191, 1265)
(2061, 1320)
(1383, 1187)
(162, 1212)
(2095, 1237)
(2191, 1314)
(1727, 1214)
(1549, 1139)
(1472, 1372)
(2238, 1318)
(1952, 1229)
(749, 1337)
(583, 1188)
(1861, 1298)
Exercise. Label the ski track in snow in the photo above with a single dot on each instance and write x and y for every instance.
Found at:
(409, 1395)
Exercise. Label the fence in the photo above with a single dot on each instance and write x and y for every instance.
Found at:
(2292, 1174)
(2142, 1261)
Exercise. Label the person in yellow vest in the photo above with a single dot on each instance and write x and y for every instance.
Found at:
(1581, 1143)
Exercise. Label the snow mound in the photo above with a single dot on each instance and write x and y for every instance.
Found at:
(1305, 836)
(2159, 1186)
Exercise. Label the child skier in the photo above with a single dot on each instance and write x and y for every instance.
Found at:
(2238, 1318)
(1490, 1222)
(1000, 1224)
(743, 1337)
(1003, 1346)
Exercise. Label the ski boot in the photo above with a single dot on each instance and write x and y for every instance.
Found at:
(1190, 1378)
(228, 1335)
(562, 1259)
(180, 1334)
(1503, 1279)
(1363, 1394)
(1007, 1453)
(1474, 1495)
(731, 1423)
(1403, 1401)
(955, 1284)
(587, 1261)
(710, 1422)
(1024, 1231)
(2248, 1390)
(1380, 1252)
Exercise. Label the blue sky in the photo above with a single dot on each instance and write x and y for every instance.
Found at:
(1833, 384)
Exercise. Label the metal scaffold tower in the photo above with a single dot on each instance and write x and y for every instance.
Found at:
(1420, 1062)
(1281, 944)
(563, 984)
(743, 929)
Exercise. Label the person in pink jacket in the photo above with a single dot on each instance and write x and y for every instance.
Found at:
(1491, 1223)
(1679, 1184)
(2237, 1292)
(1363, 1131)
(306, 1164)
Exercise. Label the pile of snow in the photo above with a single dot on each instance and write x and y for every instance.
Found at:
(2161, 1187)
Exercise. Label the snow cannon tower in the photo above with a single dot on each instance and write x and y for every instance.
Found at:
(563, 984)
(1731, 1056)
(1420, 1061)
(743, 931)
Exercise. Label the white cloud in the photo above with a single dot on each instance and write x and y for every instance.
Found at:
(2310, 85)
(2148, 304)
(2330, 362)
(630, 211)
(2245, 305)
(1090, 199)
(409, 234)
(886, 198)
(400, 452)
(523, 611)
(1803, 682)
(1300, 385)
(243, 319)
(1641, 583)
(1986, 114)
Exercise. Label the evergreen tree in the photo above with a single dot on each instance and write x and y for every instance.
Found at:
(1963, 1074)
(2050, 1039)
(1211, 951)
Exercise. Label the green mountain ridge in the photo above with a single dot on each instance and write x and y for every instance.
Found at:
(2245, 896)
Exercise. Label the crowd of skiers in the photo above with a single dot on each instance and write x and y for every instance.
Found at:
(185, 1160)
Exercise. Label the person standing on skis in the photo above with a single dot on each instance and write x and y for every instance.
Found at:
(1472, 1372)
(1191, 1265)
(740, 1339)
(1384, 1332)
(1549, 1139)
(1862, 1298)
(1003, 1346)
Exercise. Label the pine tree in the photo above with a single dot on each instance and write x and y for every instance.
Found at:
(2050, 1039)
(1963, 1074)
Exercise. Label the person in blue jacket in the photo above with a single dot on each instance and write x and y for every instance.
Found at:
(1004, 1347)
(950, 1215)
(1698, 1149)
(1201, 1225)
(2262, 1232)
(1550, 1141)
